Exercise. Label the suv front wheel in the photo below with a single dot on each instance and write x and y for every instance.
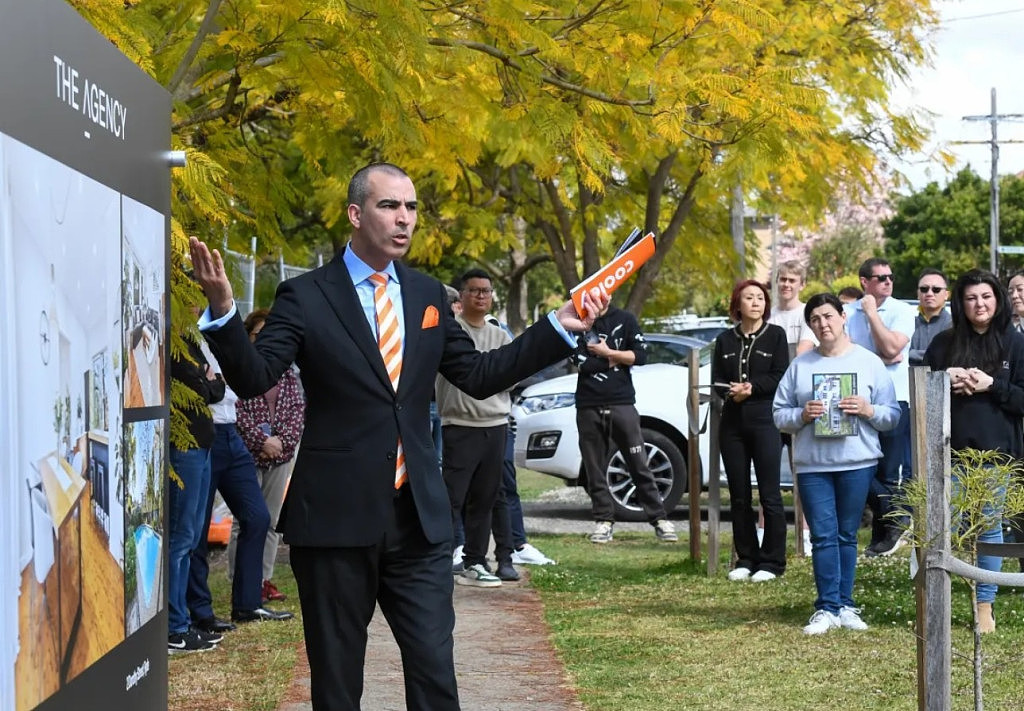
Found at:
(667, 464)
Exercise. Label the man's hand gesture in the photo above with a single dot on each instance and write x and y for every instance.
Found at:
(594, 303)
(208, 268)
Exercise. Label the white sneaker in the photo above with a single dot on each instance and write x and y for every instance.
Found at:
(739, 574)
(762, 576)
(457, 555)
(529, 555)
(479, 577)
(821, 622)
(665, 531)
(602, 532)
(849, 617)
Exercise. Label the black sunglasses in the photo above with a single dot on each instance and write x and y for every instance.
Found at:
(933, 289)
(881, 277)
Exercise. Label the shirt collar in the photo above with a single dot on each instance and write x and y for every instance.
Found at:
(360, 271)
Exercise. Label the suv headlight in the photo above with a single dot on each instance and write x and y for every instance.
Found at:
(540, 403)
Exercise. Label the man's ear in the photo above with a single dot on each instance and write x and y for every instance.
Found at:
(354, 215)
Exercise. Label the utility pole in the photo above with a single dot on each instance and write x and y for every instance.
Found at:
(993, 119)
(736, 227)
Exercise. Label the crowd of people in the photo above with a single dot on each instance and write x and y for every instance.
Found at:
(370, 522)
(840, 398)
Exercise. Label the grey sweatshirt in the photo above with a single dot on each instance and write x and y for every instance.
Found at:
(834, 454)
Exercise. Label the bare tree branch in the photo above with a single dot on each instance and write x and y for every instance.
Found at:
(193, 49)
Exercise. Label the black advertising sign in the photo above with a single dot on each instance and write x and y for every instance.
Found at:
(84, 377)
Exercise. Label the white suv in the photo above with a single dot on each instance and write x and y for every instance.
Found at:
(547, 441)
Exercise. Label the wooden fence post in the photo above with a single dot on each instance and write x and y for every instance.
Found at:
(714, 479)
(929, 433)
(693, 453)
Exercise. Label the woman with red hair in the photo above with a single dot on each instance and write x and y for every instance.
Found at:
(748, 363)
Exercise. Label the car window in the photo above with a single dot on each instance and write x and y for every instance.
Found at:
(671, 353)
(704, 333)
(675, 353)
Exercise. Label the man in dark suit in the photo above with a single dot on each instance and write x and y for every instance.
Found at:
(367, 514)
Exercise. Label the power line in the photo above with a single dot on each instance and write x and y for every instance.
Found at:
(979, 17)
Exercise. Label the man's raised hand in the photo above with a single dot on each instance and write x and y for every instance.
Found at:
(208, 269)
(595, 302)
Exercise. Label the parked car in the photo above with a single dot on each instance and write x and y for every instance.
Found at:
(547, 440)
(705, 328)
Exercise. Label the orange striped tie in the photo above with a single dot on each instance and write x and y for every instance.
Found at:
(389, 341)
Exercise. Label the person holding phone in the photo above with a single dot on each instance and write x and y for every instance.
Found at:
(748, 361)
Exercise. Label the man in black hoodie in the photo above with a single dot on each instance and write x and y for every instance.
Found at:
(606, 413)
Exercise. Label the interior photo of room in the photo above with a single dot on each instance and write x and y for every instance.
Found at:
(62, 233)
(144, 315)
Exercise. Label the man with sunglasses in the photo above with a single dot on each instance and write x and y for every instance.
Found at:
(884, 326)
(932, 316)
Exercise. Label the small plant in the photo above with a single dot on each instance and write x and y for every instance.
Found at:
(986, 487)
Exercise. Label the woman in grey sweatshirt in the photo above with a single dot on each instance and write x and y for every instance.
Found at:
(834, 400)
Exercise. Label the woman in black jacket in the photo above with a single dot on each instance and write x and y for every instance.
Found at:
(749, 361)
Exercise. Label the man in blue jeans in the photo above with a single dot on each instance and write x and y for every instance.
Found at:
(233, 473)
(187, 502)
(884, 326)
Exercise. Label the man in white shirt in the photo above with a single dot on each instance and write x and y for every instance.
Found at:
(884, 326)
(788, 312)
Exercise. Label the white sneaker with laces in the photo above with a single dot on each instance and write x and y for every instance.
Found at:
(529, 555)
(665, 531)
(821, 622)
(739, 574)
(602, 532)
(762, 576)
(479, 577)
(849, 617)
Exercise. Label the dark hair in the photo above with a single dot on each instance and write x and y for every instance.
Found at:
(929, 271)
(851, 292)
(734, 300)
(358, 185)
(970, 349)
(255, 318)
(819, 300)
(474, 273)
(1013, 276)
(865, 269)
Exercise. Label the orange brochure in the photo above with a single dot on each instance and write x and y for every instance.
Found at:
(611, 276)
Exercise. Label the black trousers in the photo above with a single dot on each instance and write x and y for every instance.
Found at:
(748, 434)
(472, 463)
(599, 429)
(411, 579)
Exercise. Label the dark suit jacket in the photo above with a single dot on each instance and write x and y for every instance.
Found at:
(343, 483)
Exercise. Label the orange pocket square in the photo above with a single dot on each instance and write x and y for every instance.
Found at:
(430, 317)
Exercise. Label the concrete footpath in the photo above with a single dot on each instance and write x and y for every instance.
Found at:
(504, 660)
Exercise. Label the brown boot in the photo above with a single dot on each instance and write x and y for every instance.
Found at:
(986, 622)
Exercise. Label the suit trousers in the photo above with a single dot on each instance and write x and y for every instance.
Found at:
(472, 467)
(599, 428)
(411, 579)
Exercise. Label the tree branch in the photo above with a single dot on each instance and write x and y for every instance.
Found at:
(193, 49)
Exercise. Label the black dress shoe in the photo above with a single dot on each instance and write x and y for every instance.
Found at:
(213, 625)
(260, 614)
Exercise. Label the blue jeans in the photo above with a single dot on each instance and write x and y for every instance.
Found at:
(185, 509)
(833, 503)
(508, 478)
(993, 512)
(893, 470)
(233, 474)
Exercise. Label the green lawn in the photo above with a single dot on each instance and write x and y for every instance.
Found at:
(639, 627)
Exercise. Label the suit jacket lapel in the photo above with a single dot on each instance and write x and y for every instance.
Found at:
(413, 305)
(337, 287)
